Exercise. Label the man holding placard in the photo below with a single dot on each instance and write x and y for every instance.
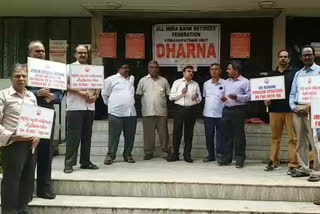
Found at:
(17, 151)
(236, 97)
(281, 116)
(301, 109)
(46, 98)
(80, 115)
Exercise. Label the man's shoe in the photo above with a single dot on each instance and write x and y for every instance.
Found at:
(222, 163)
(208, 159)
(68, 170)
(239, 165)
(290, 171)
(108, 161)
(270, 167)
(188, 159)
(147, 157)
(173, 158)
(46, 195)
(314, 178)
(298, 173)
(316, 202)
(129, 159)
(89, 166)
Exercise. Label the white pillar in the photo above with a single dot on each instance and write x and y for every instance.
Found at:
(279, 37)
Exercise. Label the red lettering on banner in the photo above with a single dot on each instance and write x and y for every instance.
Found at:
(171, 50)
(211, 51)
(191, 50)
(201, 50)
(180, 51)
(160, 50)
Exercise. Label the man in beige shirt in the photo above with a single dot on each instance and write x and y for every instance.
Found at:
(18, 161)
(154, 90)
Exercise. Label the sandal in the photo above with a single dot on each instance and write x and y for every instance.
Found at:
(129, 159)
(314, 178)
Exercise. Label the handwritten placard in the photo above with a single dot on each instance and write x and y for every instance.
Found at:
(35, 121)
(267, 88)
(47, 74)
(308, 87)
(315, 112)
(86, 76)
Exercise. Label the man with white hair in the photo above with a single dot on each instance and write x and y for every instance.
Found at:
(46, 98)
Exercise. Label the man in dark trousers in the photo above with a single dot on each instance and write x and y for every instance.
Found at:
(46, 98)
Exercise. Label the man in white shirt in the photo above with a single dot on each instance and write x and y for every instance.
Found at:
(18, 160)
(186, 95)
(154, 90)
(118, 95)
(80, 117)
(213, 90)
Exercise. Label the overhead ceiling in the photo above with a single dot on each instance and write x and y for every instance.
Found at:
(69, 8)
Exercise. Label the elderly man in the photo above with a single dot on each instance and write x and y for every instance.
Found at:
(281, 116)
(46, 98)
(17, 156)
(213, 90)
(301, 121)
(118, 95)
(80, 117)
(186, 95)
(154, 90)
(236, 97)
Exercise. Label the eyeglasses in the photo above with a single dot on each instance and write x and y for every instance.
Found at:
(307, 55)
(125, 67)
(80, 53)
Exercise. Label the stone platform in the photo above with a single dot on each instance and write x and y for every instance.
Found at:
(159, 187)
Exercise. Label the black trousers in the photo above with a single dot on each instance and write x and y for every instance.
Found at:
(44, 163)
(79, 128)
(17, 184)
(185, 118)
(233, 135)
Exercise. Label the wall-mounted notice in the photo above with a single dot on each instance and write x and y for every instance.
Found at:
(108, 45)
(58, 50)
(267, 88)
(135, 46)
(195, 44)
(47, 74)
(86, 76)
(35, 121)
(240, 45)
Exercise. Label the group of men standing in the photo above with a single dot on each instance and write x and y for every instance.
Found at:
(224, 115)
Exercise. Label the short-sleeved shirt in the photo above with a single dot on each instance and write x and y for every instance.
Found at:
(154, 92)
(212, 92)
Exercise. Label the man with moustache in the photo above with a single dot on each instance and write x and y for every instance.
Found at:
(213, 90)
(300, 119)
(46, 98)
(118, 95)
(154, 90)
(80, 117)
(237, 95)
(17, 151)
(186, 95)
(281, 116)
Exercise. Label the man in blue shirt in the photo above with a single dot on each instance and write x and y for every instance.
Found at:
(300, 118)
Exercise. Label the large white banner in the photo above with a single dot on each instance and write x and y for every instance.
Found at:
(35, 121)
(184, 44)
(47, 74)
(86, 76)
(315, 112)
(267, 88)
(308, 87)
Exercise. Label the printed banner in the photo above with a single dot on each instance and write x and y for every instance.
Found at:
(135, 46)
(308, 87)
(35, 121)
(108, 45)
(315, 112)
(86, 76)
(240, 45)
(58, 50)
(267, 88)
(197, 44)
(47, 74)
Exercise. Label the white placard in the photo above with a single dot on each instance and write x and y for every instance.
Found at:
(197, 44)
(267, 88)
(35, 121)
(86, 76)
(47, 74)
(315, 112)
(308, 87)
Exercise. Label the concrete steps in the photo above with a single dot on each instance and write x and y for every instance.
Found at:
(68, 204)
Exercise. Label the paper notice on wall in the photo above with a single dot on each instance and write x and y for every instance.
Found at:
(108, 45)
(35, 121)
(47, 74)
(135, 46)
(240, 45)
(58, 50)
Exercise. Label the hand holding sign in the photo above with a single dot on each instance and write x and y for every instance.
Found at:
(232, 96)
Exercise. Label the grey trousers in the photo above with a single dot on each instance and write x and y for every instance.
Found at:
(17, 183)
(116, 126)
(304, 139)
(150, 125)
